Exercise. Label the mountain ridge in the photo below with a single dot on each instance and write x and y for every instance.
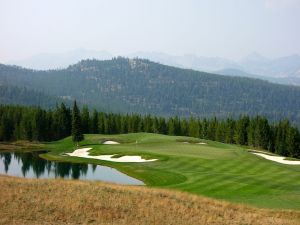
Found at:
(142, 86)
(282, 69)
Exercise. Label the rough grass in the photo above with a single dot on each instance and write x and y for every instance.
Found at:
(20, 146)
(217, 170)
(31, 201)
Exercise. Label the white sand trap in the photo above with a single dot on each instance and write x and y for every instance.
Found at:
(279, 159)
(111, 143)
(201, 143)
(83, 153)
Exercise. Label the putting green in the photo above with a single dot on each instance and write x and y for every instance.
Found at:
(214, 169)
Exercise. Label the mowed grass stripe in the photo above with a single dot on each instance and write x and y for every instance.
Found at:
(216, 170)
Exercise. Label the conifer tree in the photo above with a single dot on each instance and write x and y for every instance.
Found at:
(85, 120)
(193, 128)
(293, 142)
(65, 120)
(229, 133)
(95, 121)
(77, 134)
(171, 127)
(162, 126)
(241, 134)
(220, 132)
(6, 128)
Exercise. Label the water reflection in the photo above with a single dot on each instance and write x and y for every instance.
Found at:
(30, 165)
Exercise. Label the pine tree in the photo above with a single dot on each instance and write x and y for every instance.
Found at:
(229, 132)
(184, 127)
(171, 127)
(64, 119)
(26, 127)
(162, 126)
(101, 123)
(155, 125)
(193, 128)
(77, 134)
(251, 133)
(280, 138)
(263, 132)
(95, 121)
(212, 128)
(6, 128)
(85, 120)
(204, 129)
(39, 125)
(177, 126)
(241, 134)
(293, 142)
(220, 132)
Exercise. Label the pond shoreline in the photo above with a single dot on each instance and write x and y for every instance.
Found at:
(31, 165)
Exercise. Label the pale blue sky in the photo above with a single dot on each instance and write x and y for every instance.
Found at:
(225, 28)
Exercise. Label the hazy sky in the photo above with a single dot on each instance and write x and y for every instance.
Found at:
(225, 28)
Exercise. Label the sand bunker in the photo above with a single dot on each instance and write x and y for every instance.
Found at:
(279, 159)
(83, 153)
(110, 143)
(199, 143)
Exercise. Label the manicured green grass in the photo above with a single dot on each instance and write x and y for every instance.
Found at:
(216, 170)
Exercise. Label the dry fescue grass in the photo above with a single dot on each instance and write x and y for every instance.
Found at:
(20, 145)
(25, 201)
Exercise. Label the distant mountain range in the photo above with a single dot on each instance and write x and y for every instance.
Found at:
(142, 86)
(45, 61)
(284, 70)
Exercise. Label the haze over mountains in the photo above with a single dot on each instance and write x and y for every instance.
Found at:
(284, 70)
(45, 61)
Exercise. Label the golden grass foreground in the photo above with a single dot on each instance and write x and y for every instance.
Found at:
(32, 201)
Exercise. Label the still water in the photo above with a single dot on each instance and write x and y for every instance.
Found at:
(30, 165)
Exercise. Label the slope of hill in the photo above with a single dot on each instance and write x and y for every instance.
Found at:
(100, 203)
(25, 96)
(282, 70)
(136, 85)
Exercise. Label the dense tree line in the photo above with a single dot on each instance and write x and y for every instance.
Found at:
(34, 123)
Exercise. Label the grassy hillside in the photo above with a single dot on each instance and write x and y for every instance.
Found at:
(75, 202)
(142, 86)
(216, 170)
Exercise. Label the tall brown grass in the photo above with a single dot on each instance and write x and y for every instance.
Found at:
(31, 201)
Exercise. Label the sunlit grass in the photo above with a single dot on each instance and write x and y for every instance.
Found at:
(216, 170)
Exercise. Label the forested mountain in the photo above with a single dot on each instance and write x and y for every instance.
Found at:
(24, 96)
(142, 86)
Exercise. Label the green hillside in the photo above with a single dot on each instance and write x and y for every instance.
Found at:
(24, 96)
(213, 169)
(142, 86)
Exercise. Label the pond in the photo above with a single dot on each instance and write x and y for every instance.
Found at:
(30, 165)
